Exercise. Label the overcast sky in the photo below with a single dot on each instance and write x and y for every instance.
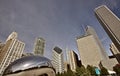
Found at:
(59, 22)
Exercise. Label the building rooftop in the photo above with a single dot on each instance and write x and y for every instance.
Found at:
(58, 50)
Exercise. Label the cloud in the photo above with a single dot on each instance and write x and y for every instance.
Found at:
(111, 3)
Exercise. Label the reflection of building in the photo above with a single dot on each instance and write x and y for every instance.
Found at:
(39, 46)
(27, 54)
(57, 60)
(73, 60)
(30, 66)
(90, 49)
(11, 51)
(110, 22)
(115, 52)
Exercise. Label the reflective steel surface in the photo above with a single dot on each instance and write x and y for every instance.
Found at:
(26, 63)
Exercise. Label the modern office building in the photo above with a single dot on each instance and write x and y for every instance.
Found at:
(11, 51)
(57, 60)
(39, 46)
(115, 52)
(66, 66)
(90, 49)
(73, 60)
(1, 46)
(110, 22)
(90, 31)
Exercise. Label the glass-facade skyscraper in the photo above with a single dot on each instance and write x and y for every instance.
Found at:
(39, 46)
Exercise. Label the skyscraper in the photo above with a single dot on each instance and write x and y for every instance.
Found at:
(90, 49)
(1, 47)
(73, 60)
(90, 31)
(11, 51)
(115, 52)
(57, 60)
(110, 22)
(39, 46)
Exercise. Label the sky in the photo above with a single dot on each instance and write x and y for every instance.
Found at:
(59, 22)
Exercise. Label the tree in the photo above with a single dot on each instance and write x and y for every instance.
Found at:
(82, 71)
(68, 73)
(91, 69)
(58, 74)
(116, 68)
(104, 71)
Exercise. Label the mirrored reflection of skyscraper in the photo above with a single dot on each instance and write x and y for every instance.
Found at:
(39, 46)
(110, 22)
(11, 51)
(57, 60)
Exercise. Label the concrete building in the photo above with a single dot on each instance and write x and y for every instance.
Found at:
(57, 60)
(11, 51)
(1, 47)
(66, 66)
(90, 49)
(90, 31)
(73, 60)
(39, 46)
(115, 52)
(110, 22)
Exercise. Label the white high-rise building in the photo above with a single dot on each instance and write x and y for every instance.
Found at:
(72, 60)
(11, 51)
(57, 60)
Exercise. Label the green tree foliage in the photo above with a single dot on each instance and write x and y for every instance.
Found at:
(91, 69)
(82, 71)
(68, 73)
(116, 68)
(104, 71)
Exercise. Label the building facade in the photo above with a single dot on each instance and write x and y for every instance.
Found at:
(115, 52)
(110, 22)
(90, 49)
(57, 60)
(73, 60)
(11, 51)
(39, 46)
(90, 31)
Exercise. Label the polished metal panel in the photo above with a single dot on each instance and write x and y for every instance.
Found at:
(28, 62)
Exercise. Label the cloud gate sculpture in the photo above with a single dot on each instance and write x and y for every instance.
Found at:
(30, 66)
